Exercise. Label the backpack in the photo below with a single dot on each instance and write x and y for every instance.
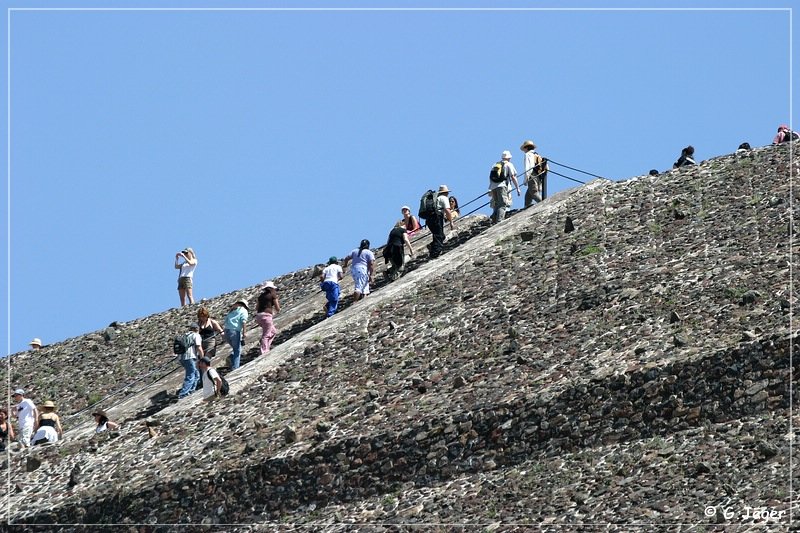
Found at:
(540, 167)
(179, 345)
(427, 205)
(224, 388)
(497, 174)
(789, 136)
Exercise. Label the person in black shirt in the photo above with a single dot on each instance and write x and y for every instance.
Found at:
(394, 253)
(686, 158)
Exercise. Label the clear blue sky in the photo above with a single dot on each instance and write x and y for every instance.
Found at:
(271, 140)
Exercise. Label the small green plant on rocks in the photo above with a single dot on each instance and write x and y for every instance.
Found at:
(590, 249)
(734, 293)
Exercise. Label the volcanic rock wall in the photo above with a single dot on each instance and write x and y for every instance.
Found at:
(624, 371)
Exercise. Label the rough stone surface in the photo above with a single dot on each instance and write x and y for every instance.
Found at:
(630, 374)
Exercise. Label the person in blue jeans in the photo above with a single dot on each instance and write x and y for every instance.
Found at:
(330, 278)
(235, 329)
(188, 359)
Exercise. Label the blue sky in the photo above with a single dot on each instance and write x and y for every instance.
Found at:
(269, 140)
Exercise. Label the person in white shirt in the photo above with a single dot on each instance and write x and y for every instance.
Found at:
(27, 414)
(212, 383)
(363, 269)
(186, 262)
(500, 193)
(536, 168)
(103, 422)
(330, 278)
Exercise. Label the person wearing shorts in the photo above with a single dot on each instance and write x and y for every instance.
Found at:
(186, 262)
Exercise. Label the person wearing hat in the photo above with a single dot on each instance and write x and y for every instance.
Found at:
(536, 168)
(266, 307)
(35, 344)
(188, 359)
(436, 223)
(363, 269)
(103, 423)
(409, 221)
(235, 329)
(499, 191)
(329, 282)
(186, 262)
(48, 427)
(26, 414)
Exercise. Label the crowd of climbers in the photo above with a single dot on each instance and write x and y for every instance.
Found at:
(35, 427)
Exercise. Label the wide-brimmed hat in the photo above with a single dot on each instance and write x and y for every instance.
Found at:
(48, 405)
(36, 342)
(101, 413)
(270, 285)
(443, 189)
(527, 144)
(243, 304)
(505, 155)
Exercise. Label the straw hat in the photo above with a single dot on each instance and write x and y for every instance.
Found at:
(443, 189)
(243, 304)
(48, 405)
(527, 144)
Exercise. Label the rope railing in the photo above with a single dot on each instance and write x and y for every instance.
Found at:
(524, 181)
(215, 336)
(576, 170)
(141, 379)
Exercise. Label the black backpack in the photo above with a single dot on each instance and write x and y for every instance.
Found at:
(497, 174)
(427, 205)
(224, 388)
(179, 344)
(789, 136)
